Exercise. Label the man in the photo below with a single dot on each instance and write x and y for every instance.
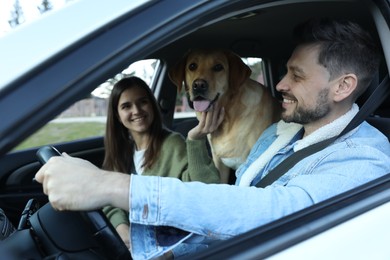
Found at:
(331, 66)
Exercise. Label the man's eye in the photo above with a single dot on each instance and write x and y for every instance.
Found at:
(296, 77)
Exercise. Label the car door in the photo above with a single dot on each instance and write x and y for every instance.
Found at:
(49, 87)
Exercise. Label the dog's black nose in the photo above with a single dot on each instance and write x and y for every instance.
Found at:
(199, 86)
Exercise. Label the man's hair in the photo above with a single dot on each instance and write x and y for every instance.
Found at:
(344, 48)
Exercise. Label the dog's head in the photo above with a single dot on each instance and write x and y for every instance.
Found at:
(208, 75)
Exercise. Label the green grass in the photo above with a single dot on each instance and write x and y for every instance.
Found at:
(53, 133)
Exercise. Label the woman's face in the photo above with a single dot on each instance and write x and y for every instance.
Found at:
(135, 110)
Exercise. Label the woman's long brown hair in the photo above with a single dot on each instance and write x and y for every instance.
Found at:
(118, 142)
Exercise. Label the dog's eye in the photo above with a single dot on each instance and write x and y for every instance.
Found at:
(192, 66)
(218, 67)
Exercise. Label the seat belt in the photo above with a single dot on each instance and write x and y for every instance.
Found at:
(372, 103)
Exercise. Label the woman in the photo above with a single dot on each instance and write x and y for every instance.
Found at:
(136, 142)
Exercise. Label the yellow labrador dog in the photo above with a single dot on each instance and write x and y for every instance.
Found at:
(220, 75)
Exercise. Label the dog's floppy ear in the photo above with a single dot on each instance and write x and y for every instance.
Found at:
(238, 70)
(177, 72)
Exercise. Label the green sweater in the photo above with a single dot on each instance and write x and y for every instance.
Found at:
(187, 160)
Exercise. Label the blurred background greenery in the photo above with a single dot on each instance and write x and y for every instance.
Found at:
(53, 133)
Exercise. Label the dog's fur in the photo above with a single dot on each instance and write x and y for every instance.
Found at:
(221, 75)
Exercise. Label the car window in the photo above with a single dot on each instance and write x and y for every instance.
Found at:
(183, 110)
(87, 117)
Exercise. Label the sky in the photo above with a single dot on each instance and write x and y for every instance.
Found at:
(29, 8)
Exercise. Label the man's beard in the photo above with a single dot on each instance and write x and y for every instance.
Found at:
(305, 116)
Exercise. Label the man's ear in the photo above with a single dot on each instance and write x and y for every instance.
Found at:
(345, 87)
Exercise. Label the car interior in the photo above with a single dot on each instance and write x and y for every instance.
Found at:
(248, 28)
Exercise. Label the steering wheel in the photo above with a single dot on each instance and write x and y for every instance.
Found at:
(84, 234)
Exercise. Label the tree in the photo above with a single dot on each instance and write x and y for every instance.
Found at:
(45, 6)
(17, 16)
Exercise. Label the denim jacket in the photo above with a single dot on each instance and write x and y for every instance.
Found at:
(167, 214)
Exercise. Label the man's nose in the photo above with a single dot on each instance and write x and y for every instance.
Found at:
(282, 86)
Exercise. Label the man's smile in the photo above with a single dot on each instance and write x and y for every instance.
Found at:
(289, 101)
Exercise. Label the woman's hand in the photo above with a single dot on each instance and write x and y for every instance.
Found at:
(209, 121)
(123, 231)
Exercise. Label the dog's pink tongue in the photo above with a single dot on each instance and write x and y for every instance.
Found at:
(201, 106)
